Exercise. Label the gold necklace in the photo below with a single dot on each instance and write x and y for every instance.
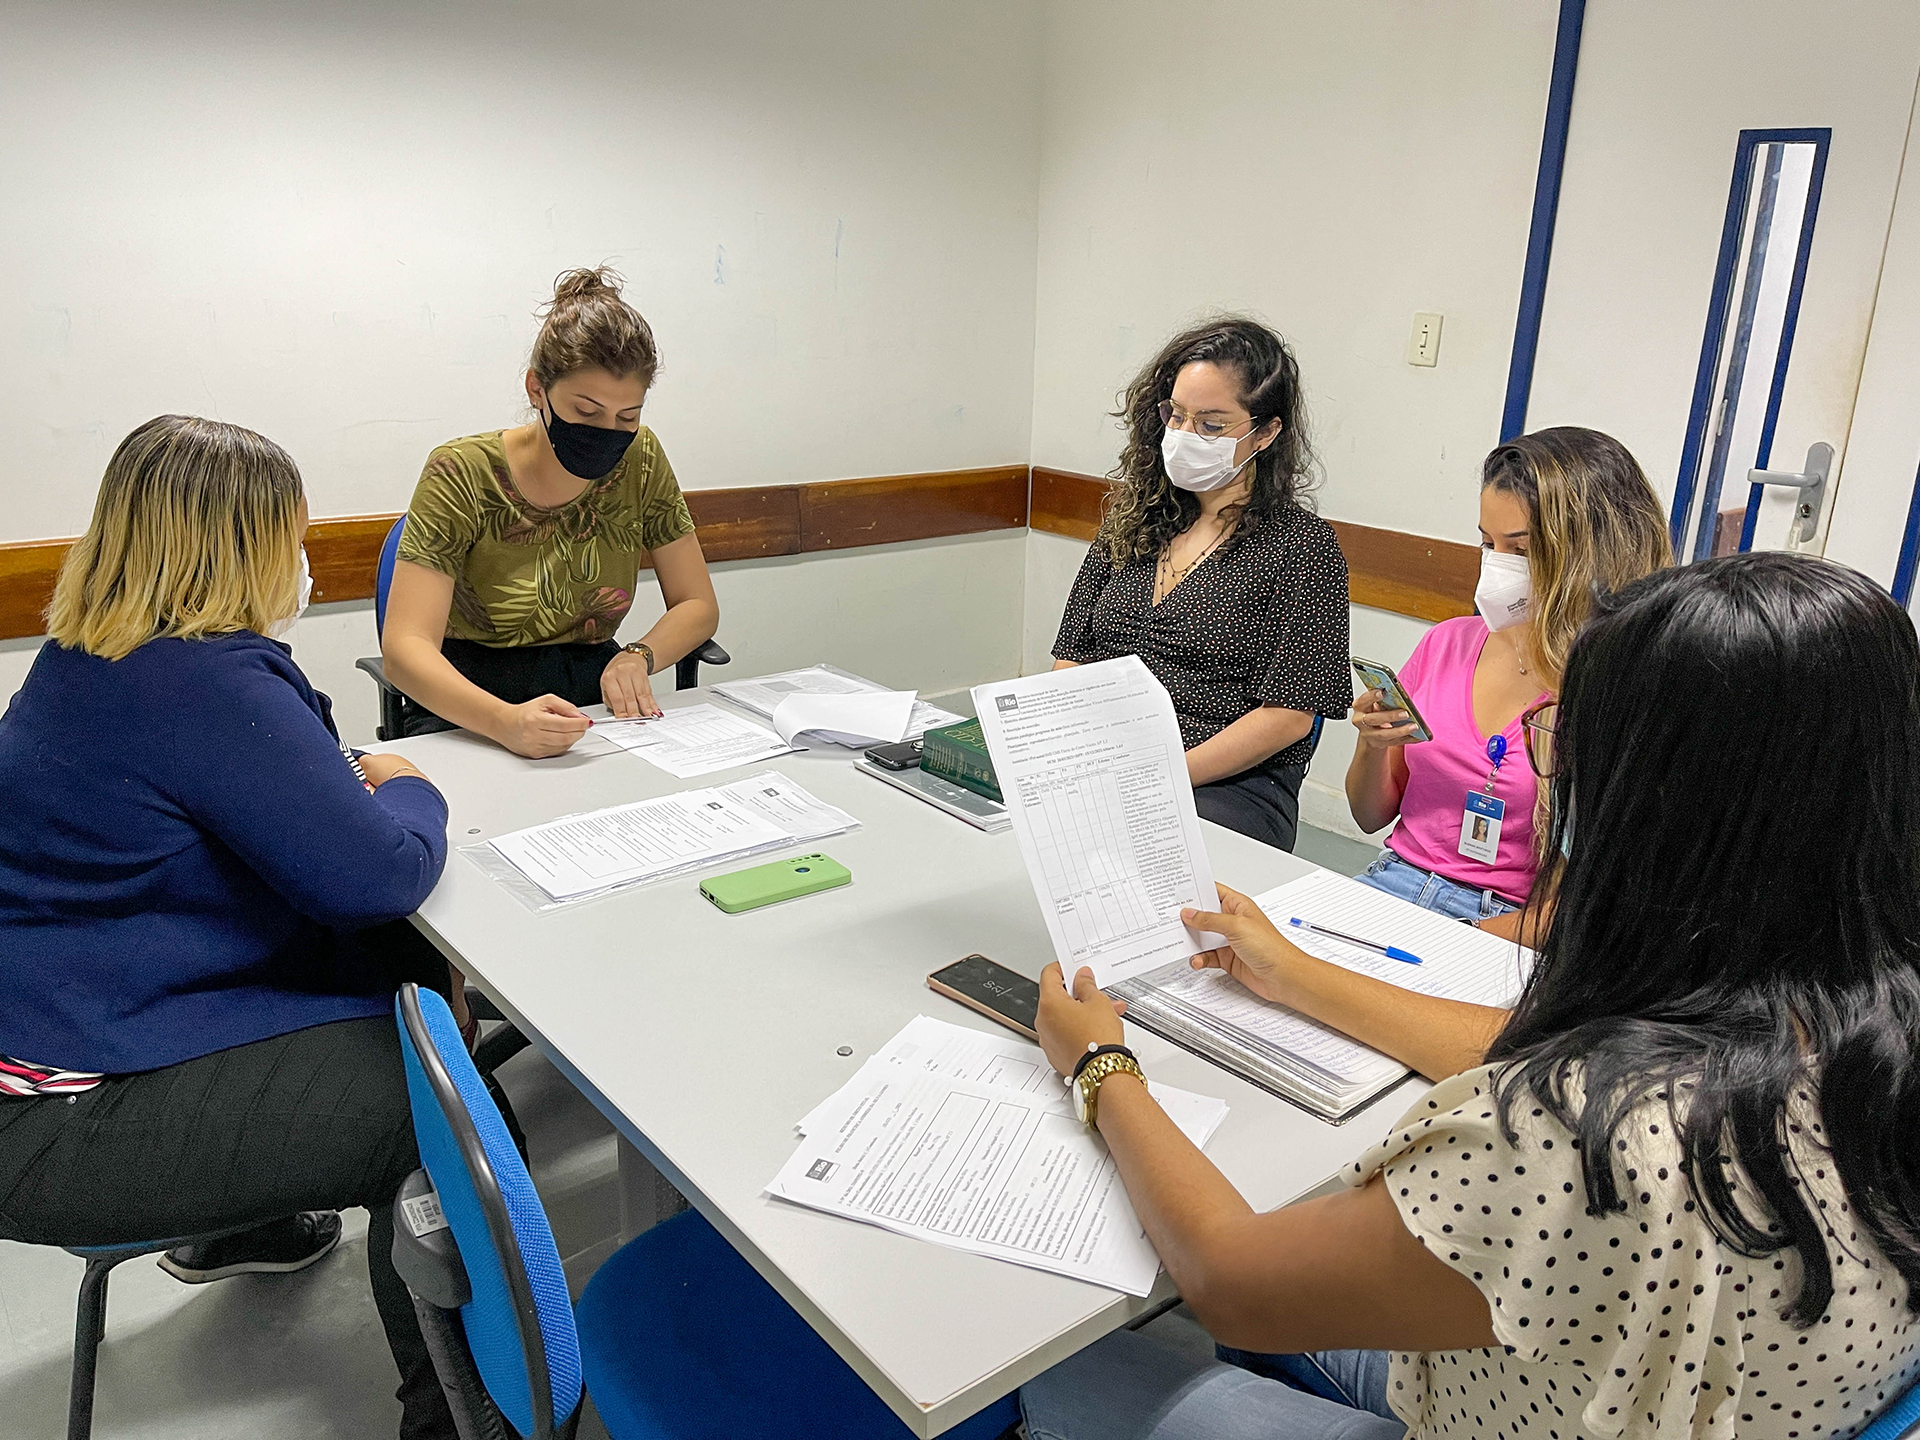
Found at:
(1518, 658)
(1166, 564)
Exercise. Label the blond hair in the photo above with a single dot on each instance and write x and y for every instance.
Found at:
(195, 533)
(588, 326)
(1593, 525)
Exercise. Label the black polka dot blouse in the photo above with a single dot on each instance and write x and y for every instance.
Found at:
(1634, 1324)
(1261, 621)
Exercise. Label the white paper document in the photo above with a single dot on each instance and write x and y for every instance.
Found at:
(774, 797)
(694, 740)
(867, 717)
(763, 693)
(940, 1048)
(978, 1167)
(582, 854)
(1458, 962)
(1094, 772)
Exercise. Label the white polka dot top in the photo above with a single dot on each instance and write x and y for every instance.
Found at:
(1640, 1323)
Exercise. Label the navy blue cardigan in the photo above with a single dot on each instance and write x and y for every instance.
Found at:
(184, 854)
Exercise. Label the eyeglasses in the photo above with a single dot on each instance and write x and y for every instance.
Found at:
(1177, 419)
(1536, 729)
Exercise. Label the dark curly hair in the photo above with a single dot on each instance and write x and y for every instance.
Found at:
(1146, 510)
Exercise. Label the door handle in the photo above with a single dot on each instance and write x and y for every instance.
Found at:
(1812, 485)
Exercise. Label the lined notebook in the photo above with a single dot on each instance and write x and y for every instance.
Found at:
(1301, 1060)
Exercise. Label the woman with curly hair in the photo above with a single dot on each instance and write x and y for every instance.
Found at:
(523, 547)
(1210, 568)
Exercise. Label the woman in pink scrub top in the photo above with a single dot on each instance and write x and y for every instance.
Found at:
(1563, 512)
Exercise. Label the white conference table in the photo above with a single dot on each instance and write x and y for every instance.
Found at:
(703, 1037)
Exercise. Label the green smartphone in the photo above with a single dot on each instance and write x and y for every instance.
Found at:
(770, 884)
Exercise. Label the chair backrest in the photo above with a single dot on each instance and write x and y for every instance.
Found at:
(1898, 1419)
(519, 1323)
(383, 577)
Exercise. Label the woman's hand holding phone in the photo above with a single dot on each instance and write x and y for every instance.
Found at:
(1381, 727)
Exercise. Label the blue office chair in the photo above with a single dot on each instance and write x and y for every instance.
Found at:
(1899, 1420)
(677, 1337)
(686, 671)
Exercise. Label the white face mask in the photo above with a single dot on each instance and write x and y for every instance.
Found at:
(285, 627)
(1198, 462)
(1506, 585)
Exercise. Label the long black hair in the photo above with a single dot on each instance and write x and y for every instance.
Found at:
(1146, 509)
(1738, 912)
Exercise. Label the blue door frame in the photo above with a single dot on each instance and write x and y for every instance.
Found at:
(1699, 418)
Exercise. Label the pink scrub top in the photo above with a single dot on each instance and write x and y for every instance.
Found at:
(1441, 771)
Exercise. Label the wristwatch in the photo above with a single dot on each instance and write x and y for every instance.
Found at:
(641, 648)
(1096, 1065)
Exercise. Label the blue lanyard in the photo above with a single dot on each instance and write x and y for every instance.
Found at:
(1496, 753)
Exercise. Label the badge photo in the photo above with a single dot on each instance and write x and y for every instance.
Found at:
(1480, 826)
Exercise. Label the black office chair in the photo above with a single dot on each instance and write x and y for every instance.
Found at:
(686, 670)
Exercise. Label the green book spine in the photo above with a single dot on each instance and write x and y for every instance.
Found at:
(959, 753)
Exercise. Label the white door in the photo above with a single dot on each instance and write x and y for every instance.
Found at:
(1731, 178)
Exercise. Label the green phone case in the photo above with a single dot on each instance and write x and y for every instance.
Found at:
(770, 884)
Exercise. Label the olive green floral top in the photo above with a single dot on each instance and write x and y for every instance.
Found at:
(526, 575)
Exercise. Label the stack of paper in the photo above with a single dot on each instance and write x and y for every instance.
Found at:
(969, 1140)
(1301, 1060)
(584, 855)
(693, 740)
(855, 725)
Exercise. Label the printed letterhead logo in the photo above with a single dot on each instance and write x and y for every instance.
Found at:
(820, 1169)
(1004, 703)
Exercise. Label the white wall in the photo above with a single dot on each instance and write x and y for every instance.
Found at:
(332, 223)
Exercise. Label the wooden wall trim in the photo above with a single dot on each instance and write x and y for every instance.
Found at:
(1412, 575)
(745, 523)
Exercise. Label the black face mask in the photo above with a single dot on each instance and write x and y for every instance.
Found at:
(587, 452)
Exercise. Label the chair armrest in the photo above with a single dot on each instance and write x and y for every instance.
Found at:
(377, 668)
(709, 652)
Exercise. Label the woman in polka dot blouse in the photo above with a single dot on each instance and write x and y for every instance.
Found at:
(1211, 571)
(1683, 1196)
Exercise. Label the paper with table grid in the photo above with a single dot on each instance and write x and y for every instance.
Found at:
(1094, 772)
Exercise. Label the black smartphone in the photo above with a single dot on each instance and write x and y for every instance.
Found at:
(995, 991)
(903, 756)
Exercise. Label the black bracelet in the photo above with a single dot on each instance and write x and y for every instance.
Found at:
(1098, 1051)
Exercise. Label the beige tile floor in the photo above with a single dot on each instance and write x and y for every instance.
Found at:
(301, 1357)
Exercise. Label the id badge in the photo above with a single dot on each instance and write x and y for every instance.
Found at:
(1480, 826)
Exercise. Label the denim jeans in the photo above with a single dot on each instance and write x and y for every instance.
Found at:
(1131, 1387)
(1433, 892)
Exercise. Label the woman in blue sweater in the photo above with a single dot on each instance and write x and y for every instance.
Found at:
(201, 898)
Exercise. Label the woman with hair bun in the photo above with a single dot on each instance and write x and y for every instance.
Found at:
(1211, 570)
(523, 547)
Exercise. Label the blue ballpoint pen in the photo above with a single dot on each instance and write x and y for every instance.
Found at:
(1392, 952)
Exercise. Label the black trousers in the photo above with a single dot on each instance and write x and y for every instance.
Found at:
(314, 1120)
(517, 674)
(1262, 803)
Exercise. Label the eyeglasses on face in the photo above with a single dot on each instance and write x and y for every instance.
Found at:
(1211, 426)
(1536, 729)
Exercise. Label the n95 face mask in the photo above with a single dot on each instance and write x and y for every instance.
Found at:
(285, 627)
(1197, 462)
(1506, 585)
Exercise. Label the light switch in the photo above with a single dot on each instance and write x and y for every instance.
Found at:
(1423, 347)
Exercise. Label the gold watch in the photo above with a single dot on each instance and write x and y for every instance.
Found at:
(1105, 1061)
(643, 650)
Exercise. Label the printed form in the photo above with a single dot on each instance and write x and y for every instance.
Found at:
(693, 740)
(940, 1048)
(974, 1166)
(1094, 772)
